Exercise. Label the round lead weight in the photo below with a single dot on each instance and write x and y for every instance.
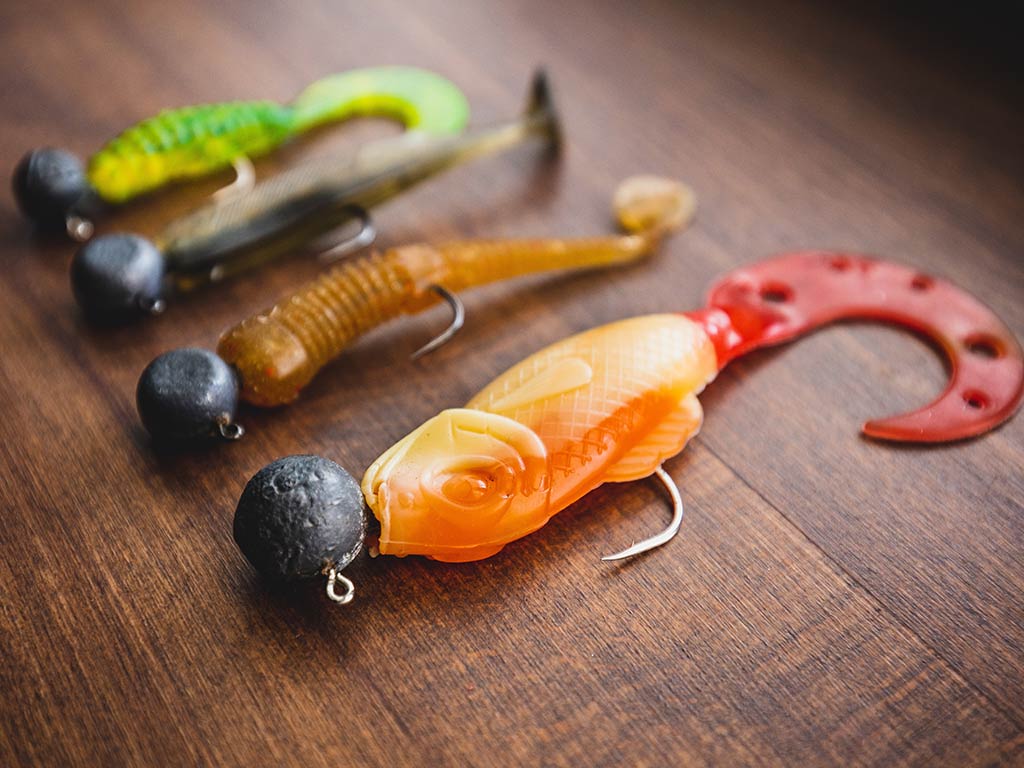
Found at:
(47, 183)
(188, 394)
(299, 517)
(117, 278)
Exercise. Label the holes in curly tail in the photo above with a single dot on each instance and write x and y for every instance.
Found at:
(984, 345)
(976, 399)
(776, 293)
(922, 282)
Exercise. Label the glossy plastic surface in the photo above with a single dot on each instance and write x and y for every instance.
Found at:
(613, 403)
(294, 207)
(610, 404)
(198, 140)
(781, 298)
(279, 351)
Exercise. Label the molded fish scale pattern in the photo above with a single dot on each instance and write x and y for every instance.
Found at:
(624, 394)
(630, 361)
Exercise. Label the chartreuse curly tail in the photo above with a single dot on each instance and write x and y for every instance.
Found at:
(195, 141)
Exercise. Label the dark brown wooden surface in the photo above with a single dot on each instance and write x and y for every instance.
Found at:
(829, 601)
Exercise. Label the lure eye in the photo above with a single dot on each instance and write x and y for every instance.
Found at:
(472, 489)
(473, 486)
(469, 488)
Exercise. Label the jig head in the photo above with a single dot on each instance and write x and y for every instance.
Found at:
(614, 403)
(278, 352)
(53, 188)
(116, 278)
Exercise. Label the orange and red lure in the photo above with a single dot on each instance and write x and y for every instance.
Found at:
(615, 402)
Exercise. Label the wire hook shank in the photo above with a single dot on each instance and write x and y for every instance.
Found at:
(666, 535)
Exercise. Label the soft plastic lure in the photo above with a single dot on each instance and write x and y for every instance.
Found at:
(120, 277)
(275, 353)
(612, 405)
(52, 187)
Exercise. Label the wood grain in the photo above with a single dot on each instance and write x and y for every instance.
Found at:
(829, 601)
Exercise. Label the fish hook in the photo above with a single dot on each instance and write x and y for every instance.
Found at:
(458, 320)
(245, 180)
(666, 535)
(364, 238)
(778, 299)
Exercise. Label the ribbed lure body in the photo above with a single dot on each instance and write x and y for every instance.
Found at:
(279, 351)
(195, 141)
(186, 143)
(610, 404)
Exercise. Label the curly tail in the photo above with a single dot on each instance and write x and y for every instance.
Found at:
(417, 98)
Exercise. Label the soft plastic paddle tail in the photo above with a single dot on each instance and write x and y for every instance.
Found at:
(781, 298)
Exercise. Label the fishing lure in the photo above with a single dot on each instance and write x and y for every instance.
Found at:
(612, 405)
(53, 189)
(120, 277)
(270, 357)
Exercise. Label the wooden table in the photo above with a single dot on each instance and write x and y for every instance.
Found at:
(829, 600)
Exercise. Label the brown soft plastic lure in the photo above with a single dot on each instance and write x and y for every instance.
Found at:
(277, 352)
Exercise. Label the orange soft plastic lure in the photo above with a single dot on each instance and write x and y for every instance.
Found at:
(277, 352)
(270, 357)
(613, 403)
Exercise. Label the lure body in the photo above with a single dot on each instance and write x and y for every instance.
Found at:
(198, 140)
(608, 405)
(298, 205)
(289, 211)
(277, 352)
(613, 403)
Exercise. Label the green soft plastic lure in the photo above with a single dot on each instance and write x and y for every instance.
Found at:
(119, 277)
(53, 188)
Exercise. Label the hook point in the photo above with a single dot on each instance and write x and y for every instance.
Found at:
(245, 180)
(458, 320)
(666, 535)
(364, 238)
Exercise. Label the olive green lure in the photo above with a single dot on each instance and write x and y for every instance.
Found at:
(196, 141)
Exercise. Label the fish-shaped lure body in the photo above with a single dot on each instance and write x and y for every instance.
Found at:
(610, 404)
(613, 403)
